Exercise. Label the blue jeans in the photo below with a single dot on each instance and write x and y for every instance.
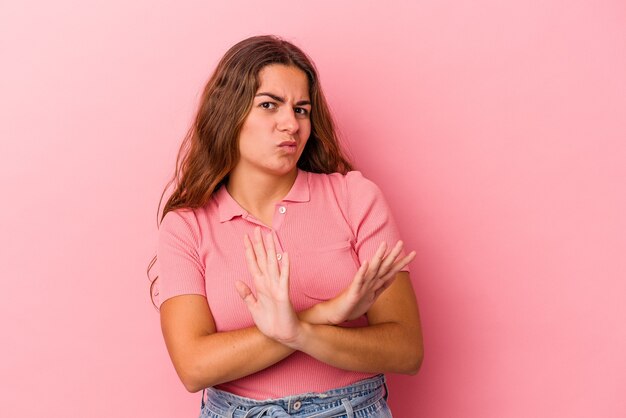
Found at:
(365, 398)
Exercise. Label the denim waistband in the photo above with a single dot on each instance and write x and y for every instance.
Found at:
(344, 400)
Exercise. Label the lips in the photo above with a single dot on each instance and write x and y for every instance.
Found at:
(287, 144)
(288, 147)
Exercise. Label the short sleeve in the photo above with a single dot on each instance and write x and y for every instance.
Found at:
(370, 217)
(179, 267)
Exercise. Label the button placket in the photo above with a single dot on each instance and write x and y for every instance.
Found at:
(278, 245)
(280, 211)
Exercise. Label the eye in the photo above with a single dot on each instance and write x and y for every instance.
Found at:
(268, 105)
(302, 111)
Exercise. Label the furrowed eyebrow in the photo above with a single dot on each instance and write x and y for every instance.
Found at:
(281, 99)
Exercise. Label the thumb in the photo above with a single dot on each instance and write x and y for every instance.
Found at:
(245, 293)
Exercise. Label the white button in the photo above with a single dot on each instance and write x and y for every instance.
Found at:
(282, 209)
(297, 405)
(279, 256)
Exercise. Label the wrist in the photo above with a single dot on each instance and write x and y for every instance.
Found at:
(331, 312)
(301, 336)
(318, 314)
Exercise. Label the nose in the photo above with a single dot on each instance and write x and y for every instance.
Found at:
(287, 121)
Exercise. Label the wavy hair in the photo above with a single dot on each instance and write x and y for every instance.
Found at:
(210, 149)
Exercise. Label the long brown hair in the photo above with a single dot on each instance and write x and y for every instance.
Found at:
(210, 149)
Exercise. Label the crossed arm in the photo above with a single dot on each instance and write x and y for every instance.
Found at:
(392, 342)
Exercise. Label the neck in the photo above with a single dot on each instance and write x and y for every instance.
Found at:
(256, 191)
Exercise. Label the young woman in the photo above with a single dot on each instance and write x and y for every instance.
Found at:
(282, 285)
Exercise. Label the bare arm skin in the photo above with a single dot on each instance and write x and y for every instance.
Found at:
(391, 343)
(203, 357)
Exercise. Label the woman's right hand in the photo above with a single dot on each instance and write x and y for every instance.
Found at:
(372, 278)
(271, 308)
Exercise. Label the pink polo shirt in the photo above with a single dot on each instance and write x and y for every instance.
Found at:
(328, 223)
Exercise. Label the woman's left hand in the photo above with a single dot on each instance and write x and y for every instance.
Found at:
(372, 278)
(271, 308)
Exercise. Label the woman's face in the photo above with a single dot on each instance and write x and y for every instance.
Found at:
(275, 131)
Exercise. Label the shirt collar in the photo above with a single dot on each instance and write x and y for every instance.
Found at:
(300, 190)
(228, 208)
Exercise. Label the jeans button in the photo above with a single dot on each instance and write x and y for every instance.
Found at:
(297, 405)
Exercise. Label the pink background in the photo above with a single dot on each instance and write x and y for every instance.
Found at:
(496, 129)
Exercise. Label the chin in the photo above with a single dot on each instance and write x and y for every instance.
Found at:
(282, 171)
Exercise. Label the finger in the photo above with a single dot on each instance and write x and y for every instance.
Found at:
(259, 250)
(384, 287)
(376, 260)
(272, 263)
(383, 283)
(397, 267)
(404, 261)
(251, 261)
(359, 277)
(245, 293)
(390, 258)
(284, 272)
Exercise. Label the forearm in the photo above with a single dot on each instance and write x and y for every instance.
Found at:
(225, 356)
(392, 342)
(377, 348)
(230, 355)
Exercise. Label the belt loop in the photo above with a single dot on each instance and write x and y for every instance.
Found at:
(231, 410)
(348, 406)
(386, 388)
(202, 403)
